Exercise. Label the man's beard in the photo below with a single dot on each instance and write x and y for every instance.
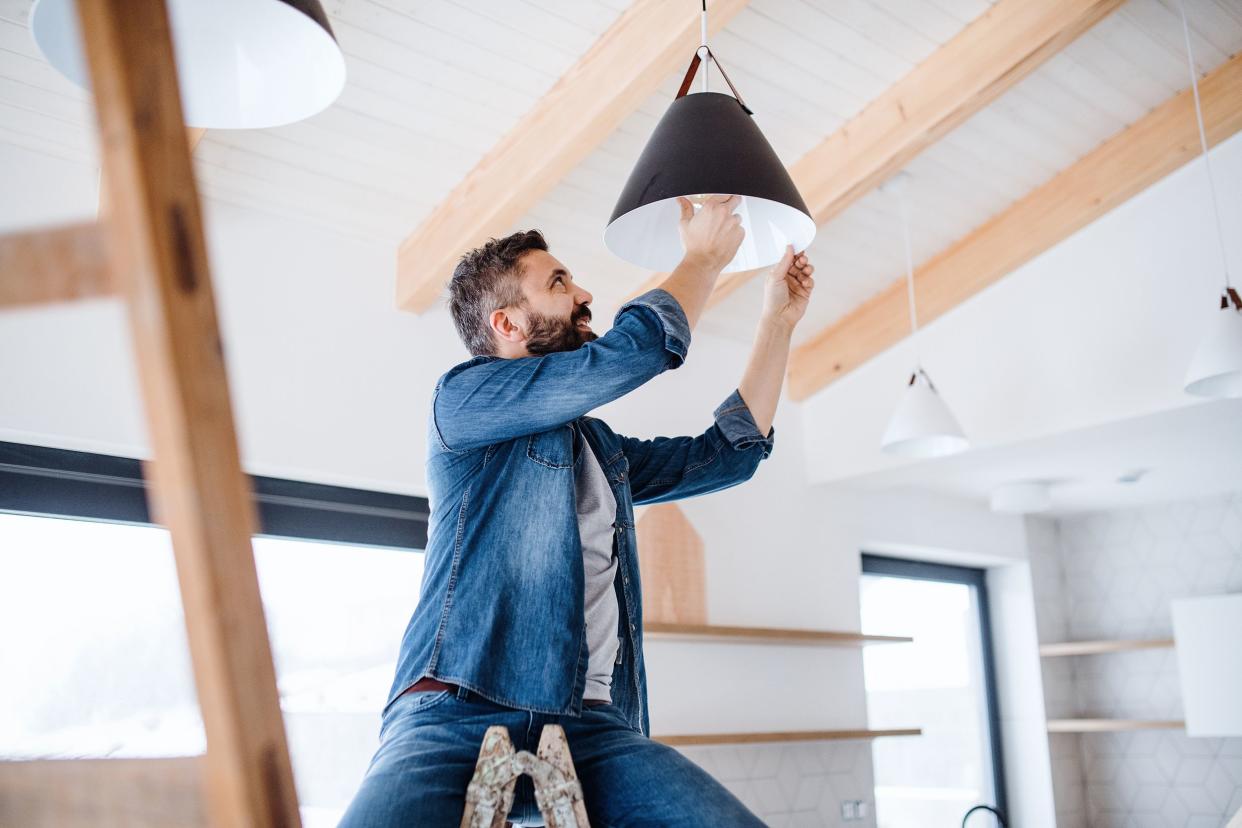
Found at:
(548, 334)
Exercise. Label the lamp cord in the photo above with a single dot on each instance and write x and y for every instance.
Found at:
(703, 45)
(1207, 159)
(905, 238)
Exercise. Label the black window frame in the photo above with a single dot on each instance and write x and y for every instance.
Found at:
(54, 482)
(873, 564)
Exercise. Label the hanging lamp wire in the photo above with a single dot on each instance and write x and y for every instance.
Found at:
(899, 184)
(707, 57)
(1207, 158)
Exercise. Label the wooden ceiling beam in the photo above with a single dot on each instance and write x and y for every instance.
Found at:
(648, 42)
(193, 135)
(994, 52)
(1116, 170)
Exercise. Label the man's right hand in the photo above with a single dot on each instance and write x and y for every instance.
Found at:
(712, 234)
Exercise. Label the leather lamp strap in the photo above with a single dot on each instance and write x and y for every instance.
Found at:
(694, 67)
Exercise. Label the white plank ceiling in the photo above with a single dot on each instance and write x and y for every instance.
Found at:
(433, 84)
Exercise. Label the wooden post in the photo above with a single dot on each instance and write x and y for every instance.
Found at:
(670, 556)
(202, 495)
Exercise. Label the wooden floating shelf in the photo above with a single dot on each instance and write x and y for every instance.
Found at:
(791, 736)
(1075, 648)
(1111, 725)
(765, 635)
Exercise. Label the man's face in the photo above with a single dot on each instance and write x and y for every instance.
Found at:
(557, 310)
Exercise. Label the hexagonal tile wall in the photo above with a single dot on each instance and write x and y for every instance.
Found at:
(1112, 575)
(794, 785)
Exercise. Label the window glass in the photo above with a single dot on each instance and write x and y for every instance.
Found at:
(94, 654)
(935, 683)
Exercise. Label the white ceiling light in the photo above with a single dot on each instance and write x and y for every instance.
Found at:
(242, 64)
(1216, 368)
(922, 425)
(1022, 497)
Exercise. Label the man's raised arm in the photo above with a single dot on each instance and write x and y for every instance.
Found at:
(786, 293)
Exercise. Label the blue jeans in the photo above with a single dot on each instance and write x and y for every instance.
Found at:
(429, 744)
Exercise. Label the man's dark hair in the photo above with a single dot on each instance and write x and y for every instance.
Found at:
(487, 279)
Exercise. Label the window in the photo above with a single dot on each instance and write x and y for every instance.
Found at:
(943, 683)
(92, 637)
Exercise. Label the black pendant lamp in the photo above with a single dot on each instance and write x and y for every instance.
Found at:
(707, 143)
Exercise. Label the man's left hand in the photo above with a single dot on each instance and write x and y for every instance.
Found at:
(787, 289)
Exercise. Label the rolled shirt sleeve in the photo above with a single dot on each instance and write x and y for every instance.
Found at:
(738, 425)
(671, 318)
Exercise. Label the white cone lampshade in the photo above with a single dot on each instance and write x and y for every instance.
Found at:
(922, 425)
(1216, 368)
(242, 64)
(707, 143)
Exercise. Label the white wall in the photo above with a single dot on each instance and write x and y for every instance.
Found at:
(1099, 328)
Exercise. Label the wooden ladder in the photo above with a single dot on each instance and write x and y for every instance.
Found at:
(149, 251)
(489, 797)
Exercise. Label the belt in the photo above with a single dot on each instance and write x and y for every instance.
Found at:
(428, 684)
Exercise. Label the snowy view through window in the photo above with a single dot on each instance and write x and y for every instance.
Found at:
(94, 654)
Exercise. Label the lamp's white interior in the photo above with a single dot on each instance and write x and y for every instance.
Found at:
(928, 445)
(649, 236)
(242, 64)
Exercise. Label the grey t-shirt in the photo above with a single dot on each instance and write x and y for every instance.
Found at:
(597, 510)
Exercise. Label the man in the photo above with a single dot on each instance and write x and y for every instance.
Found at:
(531, 611)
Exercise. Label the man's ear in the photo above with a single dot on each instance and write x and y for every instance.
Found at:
(507, 323)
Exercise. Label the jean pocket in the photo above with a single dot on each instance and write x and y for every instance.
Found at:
(412, 703)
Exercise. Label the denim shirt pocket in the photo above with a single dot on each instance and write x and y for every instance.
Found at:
(553, 449)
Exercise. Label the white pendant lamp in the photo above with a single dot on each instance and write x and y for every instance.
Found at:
(707, 143)
(1216, 368)
(242, 64)
(922, 426)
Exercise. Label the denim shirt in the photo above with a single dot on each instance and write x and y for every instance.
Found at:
(501, 607)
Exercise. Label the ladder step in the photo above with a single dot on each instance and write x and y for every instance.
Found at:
(57, 265)
(104, 793)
